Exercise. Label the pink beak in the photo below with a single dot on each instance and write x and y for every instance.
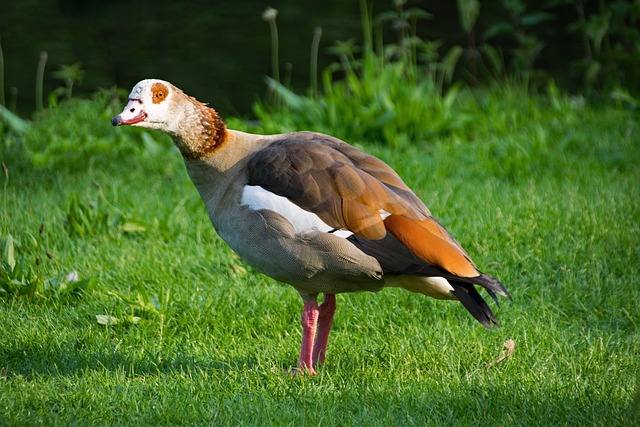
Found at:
(128, 115)
(118, 120)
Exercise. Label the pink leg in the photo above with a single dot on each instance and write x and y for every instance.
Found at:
(309, 323)
(325, 321)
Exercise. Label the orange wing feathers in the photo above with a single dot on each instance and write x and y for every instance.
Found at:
(428, 240)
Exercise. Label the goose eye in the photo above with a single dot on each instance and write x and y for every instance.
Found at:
(159, 92)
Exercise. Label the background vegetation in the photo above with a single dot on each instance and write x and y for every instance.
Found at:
(218, 50)
(120, 305)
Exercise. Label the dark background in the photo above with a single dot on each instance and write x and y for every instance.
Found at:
(220, 51)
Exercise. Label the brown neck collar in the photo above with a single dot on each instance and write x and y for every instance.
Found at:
(203, 135)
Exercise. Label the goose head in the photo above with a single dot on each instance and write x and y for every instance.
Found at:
(196, 129)
(153, 104)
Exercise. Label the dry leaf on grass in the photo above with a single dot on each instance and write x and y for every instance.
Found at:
(510, 346)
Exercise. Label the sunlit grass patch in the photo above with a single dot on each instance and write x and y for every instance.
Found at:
(176, 329)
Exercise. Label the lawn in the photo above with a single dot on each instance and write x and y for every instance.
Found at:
(169, 327)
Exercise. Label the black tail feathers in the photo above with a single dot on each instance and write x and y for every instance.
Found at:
(467, 294)
(475, 304)
(492, 285)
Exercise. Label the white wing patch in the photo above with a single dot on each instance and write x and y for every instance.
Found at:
(257, 198)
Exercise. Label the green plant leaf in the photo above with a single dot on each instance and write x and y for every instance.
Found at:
(417, 13)
(133, 319)
(105, 319)
(498, 29)
(468, 11)
(16, 123)
(494, 57)
(131, 226)
(450, 97)
(450, 62)
(9, 256)
(620, 94)
(591, 74)
(536, 18)
(79, 286)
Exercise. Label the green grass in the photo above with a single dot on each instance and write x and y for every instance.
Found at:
(543, 192)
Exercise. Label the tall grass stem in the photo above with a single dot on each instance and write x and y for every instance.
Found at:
(288, 74)
(270, 15)
(313, 66)
(366, 17)
(2, 100)
(5, 171)
(13, 99)
(40, 80)
(275, 51)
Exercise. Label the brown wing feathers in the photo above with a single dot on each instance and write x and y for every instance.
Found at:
(345, 187)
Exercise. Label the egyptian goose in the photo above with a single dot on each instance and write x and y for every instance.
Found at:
(310, 210)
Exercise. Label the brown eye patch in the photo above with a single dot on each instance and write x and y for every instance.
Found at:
(159, 92)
